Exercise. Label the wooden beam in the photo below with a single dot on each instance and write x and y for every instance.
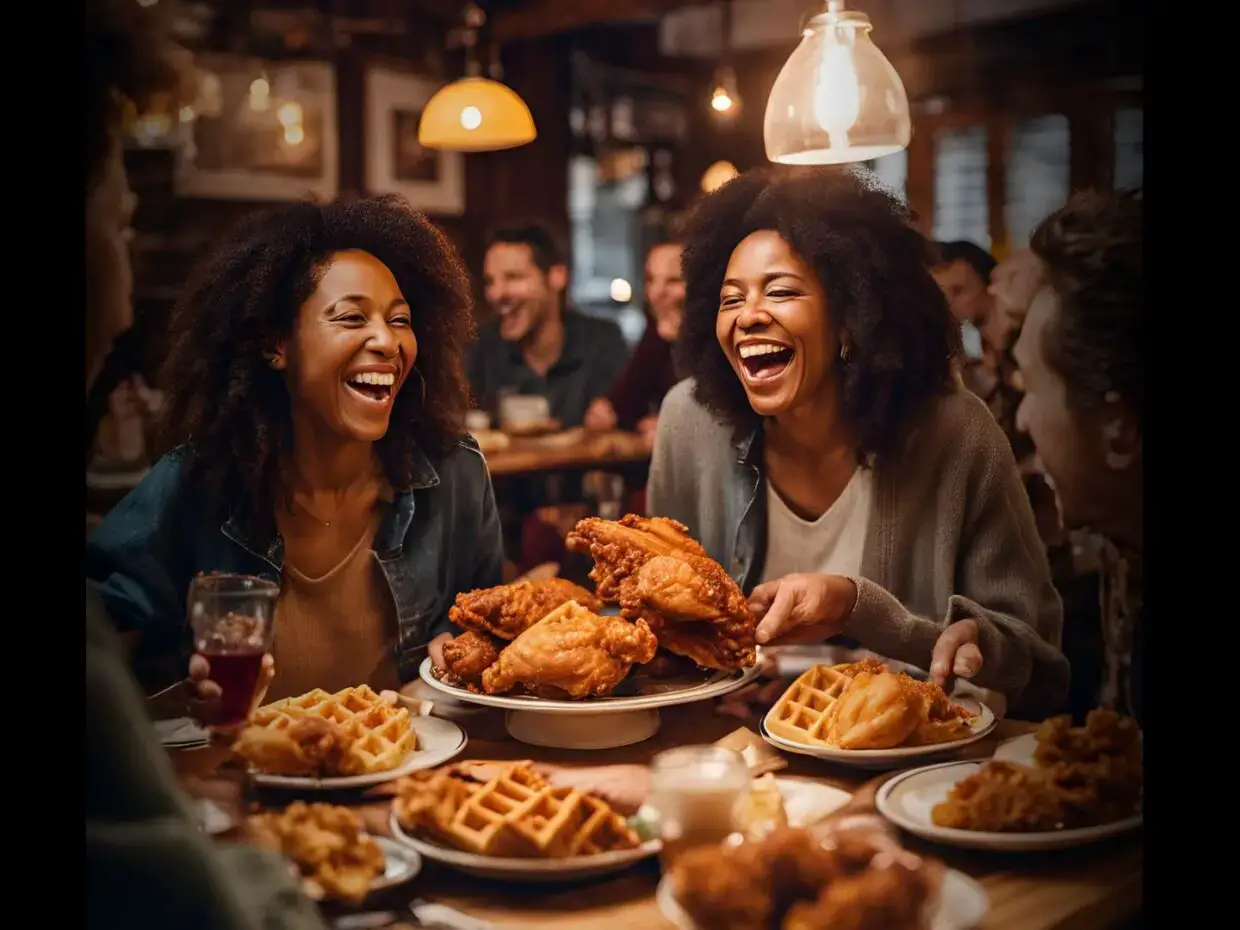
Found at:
(548, 17)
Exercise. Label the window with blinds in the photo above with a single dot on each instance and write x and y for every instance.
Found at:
(1129, 161)
(892, 170)
(1038, 174)
(961, 209)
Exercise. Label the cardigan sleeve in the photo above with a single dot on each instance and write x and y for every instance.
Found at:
(1003, 583)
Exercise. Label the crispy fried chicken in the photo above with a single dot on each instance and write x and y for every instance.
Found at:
(508, 610)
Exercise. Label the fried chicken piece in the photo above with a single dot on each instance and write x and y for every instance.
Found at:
(1002, 797)
(310, 746)
(725, 886)
(327, 843)
(891, 897)
(466, 657)
(572, 652)
(508, 610)
(1097, 767)
(875, 711)
(656, 572)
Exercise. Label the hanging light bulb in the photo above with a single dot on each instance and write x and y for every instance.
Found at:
(475, 114)
(725, 99)
(837, 99)
(717, 175)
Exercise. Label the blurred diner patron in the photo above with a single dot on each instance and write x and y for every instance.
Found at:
(537, 344)
(962, 269)
(315, 377)
(1082, 365)
(633, 404)
(823, 449)
(148, 864)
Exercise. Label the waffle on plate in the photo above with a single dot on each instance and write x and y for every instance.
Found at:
(513, 814)
(351, 732)
(863, 705)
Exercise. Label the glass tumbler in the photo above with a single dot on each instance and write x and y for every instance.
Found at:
(233, 620)
(695, 793)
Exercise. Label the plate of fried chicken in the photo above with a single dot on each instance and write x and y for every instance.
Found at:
(1079, 784)
(684, 631)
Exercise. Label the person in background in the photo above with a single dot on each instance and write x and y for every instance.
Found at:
(148, 865)
(1082, 365)
(824, 452)
(537, 344)
(315, 378)
(633, 404)
(963, 272)
(1013, 283)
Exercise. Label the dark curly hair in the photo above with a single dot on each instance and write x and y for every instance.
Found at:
(1092, 252)
(233, 408)
(128, 56)
(875, 270)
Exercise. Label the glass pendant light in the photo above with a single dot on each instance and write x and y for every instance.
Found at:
(475, 114)
(837, 99)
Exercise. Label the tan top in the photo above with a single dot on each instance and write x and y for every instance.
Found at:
(336, 630)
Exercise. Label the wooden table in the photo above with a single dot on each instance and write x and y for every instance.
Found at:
(1091, 888)
(577, 451)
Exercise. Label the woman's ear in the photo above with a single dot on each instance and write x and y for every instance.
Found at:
(273, 352)
(1121, 435)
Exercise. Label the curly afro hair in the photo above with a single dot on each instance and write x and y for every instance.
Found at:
(233, 409)
(875, 271)
(1092, 254)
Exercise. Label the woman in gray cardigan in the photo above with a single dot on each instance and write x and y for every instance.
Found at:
(824, 451)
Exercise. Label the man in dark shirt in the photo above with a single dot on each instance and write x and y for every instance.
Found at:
(537, 345)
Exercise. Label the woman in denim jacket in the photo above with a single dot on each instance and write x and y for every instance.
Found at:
(315, 375)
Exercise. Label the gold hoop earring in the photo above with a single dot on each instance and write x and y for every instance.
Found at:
(421, 380)
(845, 351)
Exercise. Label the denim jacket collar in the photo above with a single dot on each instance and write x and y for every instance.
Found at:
(389, 538)
(749, 541)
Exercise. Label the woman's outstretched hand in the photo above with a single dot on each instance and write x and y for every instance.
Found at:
(956, 653)
(802, 608)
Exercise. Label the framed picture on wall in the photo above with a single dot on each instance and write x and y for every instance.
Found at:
(432, 181)
(260, 130)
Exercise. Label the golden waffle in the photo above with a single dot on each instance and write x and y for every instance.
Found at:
(379, 735)
(800, 715)
(514, 814)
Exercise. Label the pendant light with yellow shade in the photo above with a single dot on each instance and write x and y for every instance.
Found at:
(475, 114)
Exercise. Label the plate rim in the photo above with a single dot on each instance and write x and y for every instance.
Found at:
(1039, 841)
(517, 866)
(596, 706)
(896, 753)
(417, 761)
(408, 853)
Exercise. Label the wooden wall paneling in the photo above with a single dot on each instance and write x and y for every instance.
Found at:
(919, 183)
(998, 144)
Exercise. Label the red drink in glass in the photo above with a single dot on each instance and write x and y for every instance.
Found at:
(237, 675)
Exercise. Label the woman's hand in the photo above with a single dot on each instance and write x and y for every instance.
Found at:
(601, 415)
(205, 693)
(436, 649)
(956, 653)
(802, 608)
(624, 787)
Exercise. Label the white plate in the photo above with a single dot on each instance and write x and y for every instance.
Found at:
(1018, 749)
(890, 758)
(400, 864)
(438, 741)
(181, 733)
(908, 799)
(961, 904)
(526, 870)
(657, 693)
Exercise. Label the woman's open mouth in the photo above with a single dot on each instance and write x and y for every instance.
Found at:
(764, 361)
(372, 386)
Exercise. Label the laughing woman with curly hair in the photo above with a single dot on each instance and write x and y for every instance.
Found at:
(315, 375)
(825, 452)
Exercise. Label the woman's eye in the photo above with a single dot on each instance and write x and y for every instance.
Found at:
(402, 321)
(781, 293)
(730, 301)
(351, 318)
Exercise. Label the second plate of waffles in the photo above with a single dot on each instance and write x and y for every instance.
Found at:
(513, 825)
(350, 739)
(863, 714)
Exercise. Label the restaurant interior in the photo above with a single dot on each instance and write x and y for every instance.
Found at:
(614, 464)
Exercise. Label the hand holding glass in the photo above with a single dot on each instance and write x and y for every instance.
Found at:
(233, 620)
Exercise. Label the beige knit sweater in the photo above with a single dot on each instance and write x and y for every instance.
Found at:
(952, 536)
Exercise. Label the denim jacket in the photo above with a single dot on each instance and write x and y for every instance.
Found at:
(441, 536)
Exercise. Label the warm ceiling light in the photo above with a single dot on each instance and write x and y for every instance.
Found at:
(717, 175)
(476, 114)
(837, 99)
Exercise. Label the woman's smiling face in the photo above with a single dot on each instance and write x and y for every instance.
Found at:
(351, 349)
(773, 324)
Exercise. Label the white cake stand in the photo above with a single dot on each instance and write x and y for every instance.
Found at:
(598, 723)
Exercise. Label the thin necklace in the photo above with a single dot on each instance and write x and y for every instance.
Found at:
(310, 513)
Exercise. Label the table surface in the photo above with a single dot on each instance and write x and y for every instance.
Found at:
(575, 450)
(1092, 887)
